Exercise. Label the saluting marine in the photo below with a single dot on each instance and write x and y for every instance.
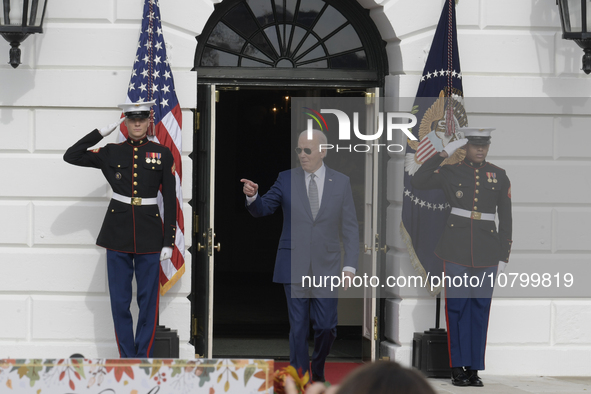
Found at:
(133, 229)
(470, 245)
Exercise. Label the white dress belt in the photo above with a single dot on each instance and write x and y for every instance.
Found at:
(473, 214)
(135, 200)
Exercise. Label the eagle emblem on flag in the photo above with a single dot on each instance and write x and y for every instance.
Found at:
(434, 134)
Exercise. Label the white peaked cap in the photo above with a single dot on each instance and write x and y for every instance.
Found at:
(137, 109)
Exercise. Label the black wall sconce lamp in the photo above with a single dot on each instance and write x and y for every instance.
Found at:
(18, 20)
(575, 17)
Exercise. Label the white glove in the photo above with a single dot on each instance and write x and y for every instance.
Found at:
(166, 253)
(501, 267)
(105, 131)
(453, 146)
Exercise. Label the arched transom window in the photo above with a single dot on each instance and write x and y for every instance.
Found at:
(290, 34)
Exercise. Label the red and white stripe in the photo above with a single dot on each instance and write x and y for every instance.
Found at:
(425, 150)
(169, 133)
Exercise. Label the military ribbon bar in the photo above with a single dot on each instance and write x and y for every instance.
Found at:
(153, 157)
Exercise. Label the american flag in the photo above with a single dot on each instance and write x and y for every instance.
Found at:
(425, 150)
(151, 79)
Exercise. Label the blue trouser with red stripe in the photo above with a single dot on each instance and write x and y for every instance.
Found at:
(121, 267)
(467, 310)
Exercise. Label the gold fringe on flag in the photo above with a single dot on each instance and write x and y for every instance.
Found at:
(177, 275)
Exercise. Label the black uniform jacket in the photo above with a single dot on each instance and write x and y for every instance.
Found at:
(483, 188)
(130, 228)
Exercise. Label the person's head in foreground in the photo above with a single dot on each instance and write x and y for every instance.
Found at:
(384, 377)
(380, 377)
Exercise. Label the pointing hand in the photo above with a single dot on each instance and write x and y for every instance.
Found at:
(250, 188)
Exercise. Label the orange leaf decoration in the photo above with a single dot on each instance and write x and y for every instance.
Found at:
(268, 380)
(240, 363)
(121, 366)
(301, 381)
(7, 363)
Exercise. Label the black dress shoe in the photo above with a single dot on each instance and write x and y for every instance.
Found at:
(474, 378)
(316, 378)
(459, 377)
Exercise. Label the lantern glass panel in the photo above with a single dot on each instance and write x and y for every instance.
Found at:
(573, 16)
(35, 13)
(572, 12)
(11, 12)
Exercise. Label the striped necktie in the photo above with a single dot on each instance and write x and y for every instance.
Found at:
(313, 196)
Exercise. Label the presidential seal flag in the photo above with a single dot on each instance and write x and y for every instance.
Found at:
(151, 79)
(440, 113)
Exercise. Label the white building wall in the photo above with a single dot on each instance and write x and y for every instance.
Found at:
(507, 49)
(54, 297)
(53, 291)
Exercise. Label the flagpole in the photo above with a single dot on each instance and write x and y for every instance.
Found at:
(439, 99)
(450, 124)
(438, 311)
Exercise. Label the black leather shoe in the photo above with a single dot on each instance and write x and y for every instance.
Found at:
(459, 377)
(474, 378)
(316, 378)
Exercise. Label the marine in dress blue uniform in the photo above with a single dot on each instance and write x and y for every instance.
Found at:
(471, 245)
(133, 232)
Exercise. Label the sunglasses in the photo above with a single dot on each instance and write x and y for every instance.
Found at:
(307, 151)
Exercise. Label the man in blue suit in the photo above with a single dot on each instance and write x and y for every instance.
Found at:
(318, 213)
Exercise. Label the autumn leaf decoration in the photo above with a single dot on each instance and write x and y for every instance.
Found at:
(121, 367)
(301, 381)
(72, 368)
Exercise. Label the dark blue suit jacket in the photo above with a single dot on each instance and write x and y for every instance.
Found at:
(313, 246)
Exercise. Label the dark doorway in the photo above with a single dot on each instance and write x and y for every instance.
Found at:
(254, 141)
